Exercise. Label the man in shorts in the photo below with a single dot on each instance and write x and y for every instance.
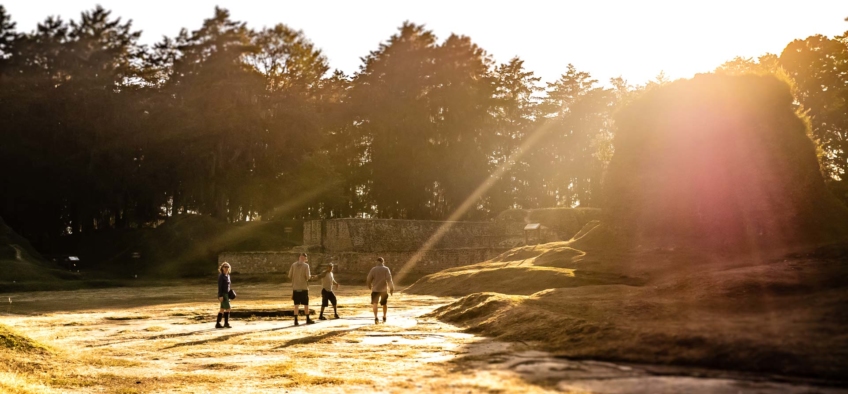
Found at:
(300, 276)
(328, 284)
(380, 282)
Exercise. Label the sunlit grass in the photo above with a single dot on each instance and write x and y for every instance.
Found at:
(104, 351)
(14, 383)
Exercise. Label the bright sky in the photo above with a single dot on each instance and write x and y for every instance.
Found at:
(633, 39)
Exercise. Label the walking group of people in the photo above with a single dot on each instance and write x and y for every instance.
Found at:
(379, 280)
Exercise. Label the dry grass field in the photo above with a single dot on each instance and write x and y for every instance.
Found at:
(144, 340)
(162, 340)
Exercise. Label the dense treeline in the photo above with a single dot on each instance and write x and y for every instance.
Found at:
(100, 132)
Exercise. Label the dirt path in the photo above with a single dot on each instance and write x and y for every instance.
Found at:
(162, 340)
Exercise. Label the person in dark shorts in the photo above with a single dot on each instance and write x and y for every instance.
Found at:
(328, 285)
(381, 284)
(224, 295)
(300, 276)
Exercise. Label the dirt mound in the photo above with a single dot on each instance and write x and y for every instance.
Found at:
(730, 167)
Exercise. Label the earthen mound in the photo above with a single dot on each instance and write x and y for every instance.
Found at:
(723, 162)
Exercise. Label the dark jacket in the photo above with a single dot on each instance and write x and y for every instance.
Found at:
(223, 284)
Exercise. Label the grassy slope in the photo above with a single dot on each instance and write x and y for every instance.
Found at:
(19, 261)
(782, 316)
(185, 246)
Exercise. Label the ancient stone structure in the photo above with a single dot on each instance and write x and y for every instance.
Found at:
(354, 244)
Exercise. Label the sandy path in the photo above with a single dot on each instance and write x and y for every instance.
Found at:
(162, 340)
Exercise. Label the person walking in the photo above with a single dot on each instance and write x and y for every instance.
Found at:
(300, 276)
(328, 296)
(224, 295)
(381, 284)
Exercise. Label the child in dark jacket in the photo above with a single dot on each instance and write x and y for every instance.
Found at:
(224, 295)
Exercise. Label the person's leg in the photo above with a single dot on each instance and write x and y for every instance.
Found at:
(375, 298)
(334, 301)
(296, 308)
(306, 312)
(385, 302)
(324, 299)
(225, 311)
(220, 315)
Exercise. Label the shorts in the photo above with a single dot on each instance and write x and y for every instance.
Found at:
(226, 303)
(327, 297)
(381, 295)
(300, 297)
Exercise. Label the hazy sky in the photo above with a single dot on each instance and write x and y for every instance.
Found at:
(633, 39)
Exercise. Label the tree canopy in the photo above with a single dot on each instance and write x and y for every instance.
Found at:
(100, 132)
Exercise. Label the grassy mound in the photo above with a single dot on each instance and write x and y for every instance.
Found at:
(721, 162)
(20, 262)
(783, 317)
(15, 342)
(524, 270)
(20, 358)
(720, 246)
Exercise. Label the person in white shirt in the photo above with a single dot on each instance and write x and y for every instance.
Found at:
(328, 284)
(380, 280)
(300, 276)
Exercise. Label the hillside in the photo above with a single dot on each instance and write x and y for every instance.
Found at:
(20, 262)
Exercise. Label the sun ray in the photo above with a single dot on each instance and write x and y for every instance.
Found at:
(526, 146)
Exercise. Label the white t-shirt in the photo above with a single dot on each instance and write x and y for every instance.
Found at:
(327, 281)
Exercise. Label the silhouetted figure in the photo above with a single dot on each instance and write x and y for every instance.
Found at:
(381, 284)
(224, 295)
(300, 276)
(328, 284)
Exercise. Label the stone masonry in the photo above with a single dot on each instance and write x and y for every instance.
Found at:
(354, 244)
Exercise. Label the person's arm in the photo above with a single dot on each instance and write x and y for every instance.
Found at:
(291, 269)
(222, 286)
(369, 279)
(390, 281)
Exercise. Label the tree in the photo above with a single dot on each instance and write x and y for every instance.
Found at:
(567, 169)
(289, 61)
(819, 67)
(515, 119)
(8, 35)
(62, 123)
(424, 112)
